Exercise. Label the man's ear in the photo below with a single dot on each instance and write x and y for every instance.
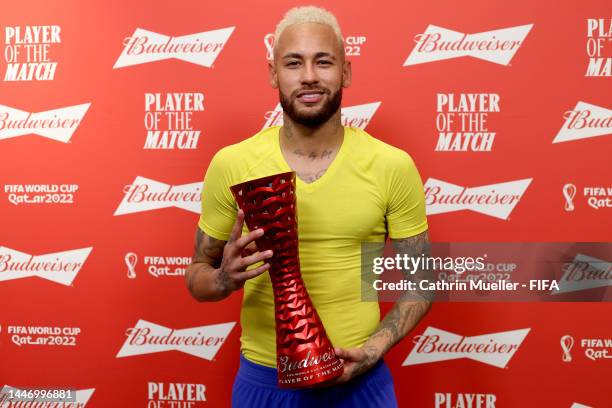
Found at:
(272, 74)
(347, 74)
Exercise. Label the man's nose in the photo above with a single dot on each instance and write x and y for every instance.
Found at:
(309, 74)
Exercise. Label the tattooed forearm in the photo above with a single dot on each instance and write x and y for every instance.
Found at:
(389, 327)
(191, 279)
(402, 318)
(411, 307)
(222, 282)
(199, 238)
(199, 276)
(415, 247)
(207, 249)
(397, 323)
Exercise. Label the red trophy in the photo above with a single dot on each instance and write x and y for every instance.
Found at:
(304, 355)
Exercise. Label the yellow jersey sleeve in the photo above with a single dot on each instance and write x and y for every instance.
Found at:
(405, 213)
(218, 205)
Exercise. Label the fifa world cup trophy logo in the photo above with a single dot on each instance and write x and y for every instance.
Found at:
(304, 354)
(569, 192)
(130, 261)
(269, 43)
(567, 342)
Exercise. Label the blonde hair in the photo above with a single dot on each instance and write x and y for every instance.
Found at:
(308, 14)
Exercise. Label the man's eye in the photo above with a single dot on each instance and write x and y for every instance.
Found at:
(292, 63)
(325, 62)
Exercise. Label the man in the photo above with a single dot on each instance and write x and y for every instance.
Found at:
(351, 188)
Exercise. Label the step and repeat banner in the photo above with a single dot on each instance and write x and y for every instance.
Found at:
(111, 111)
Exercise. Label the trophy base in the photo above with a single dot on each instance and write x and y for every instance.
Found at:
(310, 368)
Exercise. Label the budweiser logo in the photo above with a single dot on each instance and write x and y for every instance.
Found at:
(147, 46)
(203, 341)
(584, 272)
(438, 43)
(497, 200)
(77, 398)
(145, 194)
(585, 121)
(56, 124)
(59, 267)
(286, 363)
(358, 116)
(495, 349)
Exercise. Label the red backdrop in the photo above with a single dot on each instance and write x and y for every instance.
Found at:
(65, 173)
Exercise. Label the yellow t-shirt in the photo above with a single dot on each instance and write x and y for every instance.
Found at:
(371, 189)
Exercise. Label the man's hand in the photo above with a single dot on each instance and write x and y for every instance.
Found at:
(219, 267)
(238, 254)
(356, 361)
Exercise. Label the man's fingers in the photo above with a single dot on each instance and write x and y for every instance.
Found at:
(254, 272)
(256, 257)
(245, 240)
(242, 242)
(347, 373)
(347, 354)
(237, 228)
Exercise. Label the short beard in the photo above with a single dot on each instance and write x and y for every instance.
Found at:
(312, 120)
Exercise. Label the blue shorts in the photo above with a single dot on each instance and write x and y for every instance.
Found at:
(255, 386)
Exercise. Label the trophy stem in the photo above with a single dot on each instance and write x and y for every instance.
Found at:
(305, 355)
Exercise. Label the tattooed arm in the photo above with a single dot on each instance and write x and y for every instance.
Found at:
(403, 317)
(202, 276)
(218, 267)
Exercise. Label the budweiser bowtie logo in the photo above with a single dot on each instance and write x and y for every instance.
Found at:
(438, 43)
(358, 116)
(585, 272)
(585, 121)
(495, 349)
(496, 200)
(146, 46)
(202, 341)
(145, 194)
(57, 124)
(77, 398)
(59, 267)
